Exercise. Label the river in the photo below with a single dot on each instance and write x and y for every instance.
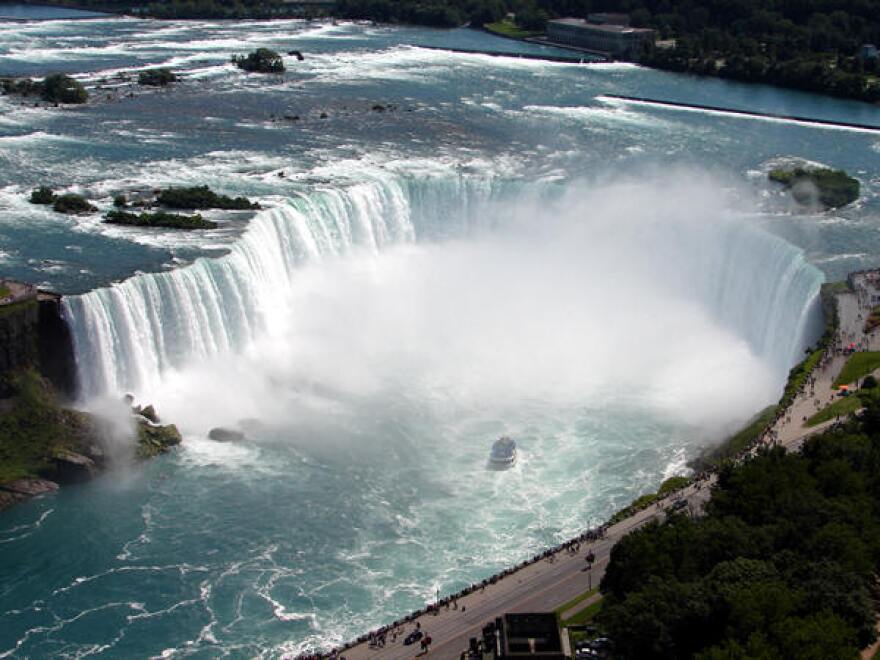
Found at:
(452, 247)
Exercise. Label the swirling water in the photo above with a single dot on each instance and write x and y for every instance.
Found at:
(503, 252)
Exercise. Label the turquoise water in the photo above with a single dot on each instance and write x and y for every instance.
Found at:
(506, 252)
(45, 13)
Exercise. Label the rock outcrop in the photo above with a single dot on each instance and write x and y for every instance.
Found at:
(16, 491)
(43, 444)
(35, 335)
(155, 439)
(221, 434)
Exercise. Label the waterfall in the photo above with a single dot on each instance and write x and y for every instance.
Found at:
(763, 288)
(129, 334)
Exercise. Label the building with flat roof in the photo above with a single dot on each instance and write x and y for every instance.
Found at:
(618, 41)
(534, 636)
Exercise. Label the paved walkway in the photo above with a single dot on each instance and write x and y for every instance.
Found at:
(547, 584)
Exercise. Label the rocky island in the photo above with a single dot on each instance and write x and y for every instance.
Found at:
(158, 219)
(56, 88)
(192, 198)
(830, 189)
(261, 60)
(156, 77)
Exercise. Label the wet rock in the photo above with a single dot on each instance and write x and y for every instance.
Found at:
(150, 413)
(154, 439)
(71, 467)
(21, 489)
(221, 434)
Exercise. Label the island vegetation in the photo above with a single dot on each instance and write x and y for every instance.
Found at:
(43, 195)
(72, 204)
(68, 203)
(782, 565)
(157, 77)
(262, 60)
(158, 219)
(202, 197)
(191, 198)
(829, 188)
(56, 88)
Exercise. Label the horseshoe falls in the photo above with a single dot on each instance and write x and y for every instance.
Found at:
(129, 334)
(499, 251)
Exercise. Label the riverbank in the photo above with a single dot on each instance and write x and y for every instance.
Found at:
(44, 442)
(560, 574)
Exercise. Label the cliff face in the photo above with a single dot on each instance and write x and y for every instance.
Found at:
(19, 333)
(34, 334)
(55, 345)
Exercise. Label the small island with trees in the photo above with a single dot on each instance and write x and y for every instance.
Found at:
(262, 60)
(56, 88)
(830, 189)
(157, 77)
(192, 198)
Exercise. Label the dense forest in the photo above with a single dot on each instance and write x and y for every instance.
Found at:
(805, 44)
(783, 565)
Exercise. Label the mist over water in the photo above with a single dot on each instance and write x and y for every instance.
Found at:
(594, 299)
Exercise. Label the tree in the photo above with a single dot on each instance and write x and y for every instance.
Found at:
(261, 60)
(59, 88)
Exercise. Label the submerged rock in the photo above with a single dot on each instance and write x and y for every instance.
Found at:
(13, 492)
(221, 434)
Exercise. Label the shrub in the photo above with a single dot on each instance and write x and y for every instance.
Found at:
(59, 88)
(22, 87)
(120, 201)
(157, 77)
(202, 197)
(261, 60)
(72, 203)
(159, 219)
(834, 188)
(42, 195)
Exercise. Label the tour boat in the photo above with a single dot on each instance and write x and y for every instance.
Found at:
(503, 454)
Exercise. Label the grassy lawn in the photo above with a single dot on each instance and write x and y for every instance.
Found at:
(574, 601)
(843, 406)
(858, 365)
(799, 374)
(509, 29)
(742, 438)
(4, 291)
(585, 615)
